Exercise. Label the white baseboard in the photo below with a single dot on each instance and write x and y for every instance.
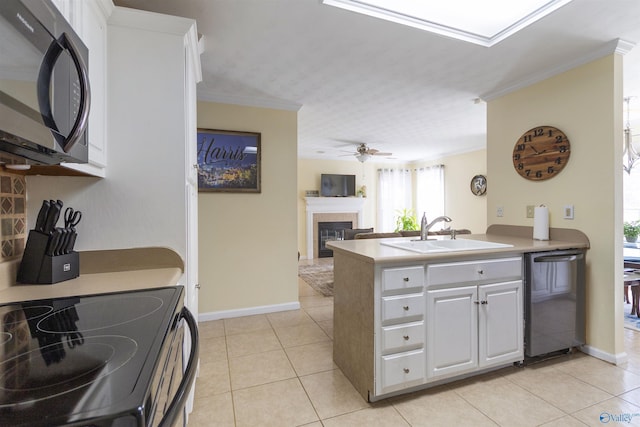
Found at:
(250, 311)
(616, 359)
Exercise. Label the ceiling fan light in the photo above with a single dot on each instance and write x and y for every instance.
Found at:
(363, 157)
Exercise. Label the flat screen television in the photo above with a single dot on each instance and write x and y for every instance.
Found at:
(333, 185)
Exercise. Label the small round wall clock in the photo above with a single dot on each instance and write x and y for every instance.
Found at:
(479, 185)
(541, 153)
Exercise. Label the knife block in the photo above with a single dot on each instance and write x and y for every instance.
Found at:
(39, 268)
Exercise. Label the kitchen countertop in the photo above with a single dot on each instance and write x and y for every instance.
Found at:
(519, 236)
(108, 271)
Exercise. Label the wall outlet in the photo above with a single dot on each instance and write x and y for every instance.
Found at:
(530, 211)
(568, 212)
(500, 211)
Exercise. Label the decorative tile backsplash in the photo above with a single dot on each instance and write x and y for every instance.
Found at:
(13, 215)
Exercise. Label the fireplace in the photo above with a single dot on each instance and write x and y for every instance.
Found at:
(331, 209)
(328, 231)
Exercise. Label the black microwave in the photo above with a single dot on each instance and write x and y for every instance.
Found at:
(44, 85)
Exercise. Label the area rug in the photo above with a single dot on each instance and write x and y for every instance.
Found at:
(318, 275)
(631, 321)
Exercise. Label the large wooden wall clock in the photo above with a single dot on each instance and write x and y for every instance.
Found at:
(541, 153)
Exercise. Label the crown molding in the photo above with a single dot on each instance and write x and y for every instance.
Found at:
(619, 46)
(247, 101)
(151, 21)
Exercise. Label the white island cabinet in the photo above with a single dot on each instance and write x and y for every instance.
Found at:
(436, 321)
(474, 316)
(399, 327)
(400, 341)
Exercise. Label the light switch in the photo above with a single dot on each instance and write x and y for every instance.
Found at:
(568, 212)
(530, 211)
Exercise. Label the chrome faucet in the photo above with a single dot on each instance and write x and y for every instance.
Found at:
(424, 227)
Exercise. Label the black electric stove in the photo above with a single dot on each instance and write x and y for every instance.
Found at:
(97, 360)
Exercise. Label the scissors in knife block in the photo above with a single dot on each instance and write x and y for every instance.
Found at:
(71, 217)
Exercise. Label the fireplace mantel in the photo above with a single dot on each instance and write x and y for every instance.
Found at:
(331, 205)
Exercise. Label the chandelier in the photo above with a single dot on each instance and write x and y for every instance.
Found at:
(630, 153)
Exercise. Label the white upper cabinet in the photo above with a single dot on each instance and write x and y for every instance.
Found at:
(89, 19)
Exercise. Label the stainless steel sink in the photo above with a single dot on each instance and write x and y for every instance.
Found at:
(432, 246)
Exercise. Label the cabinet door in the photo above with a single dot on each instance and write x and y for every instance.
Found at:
(500, 328)
(452, 331)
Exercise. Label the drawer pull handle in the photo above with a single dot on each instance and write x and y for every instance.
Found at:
(480, 271)
(484, 302)
(405, 308)
(406, 370)
(406, 279)
(406, 337)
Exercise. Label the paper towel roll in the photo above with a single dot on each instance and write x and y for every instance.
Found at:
(541, 223)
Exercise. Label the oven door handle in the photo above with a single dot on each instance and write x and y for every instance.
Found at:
(178, 401)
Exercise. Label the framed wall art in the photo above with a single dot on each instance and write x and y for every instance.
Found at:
(228, 161)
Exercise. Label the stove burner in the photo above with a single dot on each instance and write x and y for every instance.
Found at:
(104, 314)
(25, 378)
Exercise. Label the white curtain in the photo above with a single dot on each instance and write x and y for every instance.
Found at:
(430, 192)
(394, 195)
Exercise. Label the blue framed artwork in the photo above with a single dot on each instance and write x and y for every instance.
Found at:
(228, 161)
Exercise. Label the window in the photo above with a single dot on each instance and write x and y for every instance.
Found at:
(430, 192)
(631, 198)
(396, 193)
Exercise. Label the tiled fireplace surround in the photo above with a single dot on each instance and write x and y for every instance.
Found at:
(327, 209)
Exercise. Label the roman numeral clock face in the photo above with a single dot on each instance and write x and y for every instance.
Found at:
(541, 153)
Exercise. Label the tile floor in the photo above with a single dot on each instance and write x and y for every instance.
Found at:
(277, 370)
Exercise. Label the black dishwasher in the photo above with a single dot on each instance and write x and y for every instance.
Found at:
(554, 301)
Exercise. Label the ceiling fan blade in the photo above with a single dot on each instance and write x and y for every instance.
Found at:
(380, 153)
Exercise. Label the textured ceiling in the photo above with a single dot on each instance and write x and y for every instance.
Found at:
(358, 79)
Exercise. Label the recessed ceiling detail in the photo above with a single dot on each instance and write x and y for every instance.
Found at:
(484, 23)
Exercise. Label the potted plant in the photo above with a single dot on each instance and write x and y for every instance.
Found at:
(631, 231)
(406, 221)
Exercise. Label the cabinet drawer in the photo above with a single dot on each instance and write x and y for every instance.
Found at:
(404, 369)
(403, 337)
(461, 272)
(403, 308)
(402, 278)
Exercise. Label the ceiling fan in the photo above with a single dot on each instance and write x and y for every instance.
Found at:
(363, 153)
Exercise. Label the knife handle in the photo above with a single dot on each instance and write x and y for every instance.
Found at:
(52, 217)
(57, 249)
(52, 243)
(72, 240)
(42, 216)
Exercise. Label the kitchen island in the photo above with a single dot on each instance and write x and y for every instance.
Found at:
(405, 320)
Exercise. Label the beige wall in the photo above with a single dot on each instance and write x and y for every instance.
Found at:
(248, 242)
(585, 103)
(466, 210)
